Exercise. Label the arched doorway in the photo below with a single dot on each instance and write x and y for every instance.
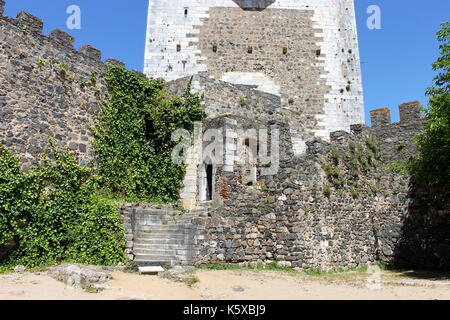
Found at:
(207, 180)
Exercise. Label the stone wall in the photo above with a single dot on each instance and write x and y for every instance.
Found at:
(43, 89)
(343, 204)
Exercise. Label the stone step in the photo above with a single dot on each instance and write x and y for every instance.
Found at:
(163, 263)
(139, 246)
(162, 252)
(164, 241)
(155, 212)
(153, 258)
(156, 235)
(170, 229)
(168, 226)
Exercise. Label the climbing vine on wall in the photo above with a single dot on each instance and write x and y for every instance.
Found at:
(133, 136)
(52, 214)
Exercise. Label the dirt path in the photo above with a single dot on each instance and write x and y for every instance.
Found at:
(236, 285)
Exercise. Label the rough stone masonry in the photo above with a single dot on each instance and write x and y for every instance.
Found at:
(42, 91)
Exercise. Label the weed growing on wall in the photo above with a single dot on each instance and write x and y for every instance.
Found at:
(133, 136)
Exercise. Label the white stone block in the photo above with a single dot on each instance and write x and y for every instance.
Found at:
(151, 270)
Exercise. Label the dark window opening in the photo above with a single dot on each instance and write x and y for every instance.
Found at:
(254, 5)
(178, 47)
(214, 47)
(285, 50)
(209, 182)
(250, 49)
(318, 53)
(185, 12)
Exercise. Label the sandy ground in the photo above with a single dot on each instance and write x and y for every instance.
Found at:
(237, 285)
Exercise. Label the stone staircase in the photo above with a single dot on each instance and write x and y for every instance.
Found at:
(159, 235)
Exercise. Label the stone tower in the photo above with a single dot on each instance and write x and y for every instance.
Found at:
(304, 51)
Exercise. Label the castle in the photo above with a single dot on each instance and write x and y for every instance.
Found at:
(333, 200)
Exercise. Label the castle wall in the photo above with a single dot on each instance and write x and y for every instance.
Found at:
(38, 98)
(379, 213)
(372, 213)
(305, 51)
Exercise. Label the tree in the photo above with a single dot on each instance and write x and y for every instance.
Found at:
(432, 165)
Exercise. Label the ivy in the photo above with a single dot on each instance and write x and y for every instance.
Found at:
(52, 214)
(133, 136)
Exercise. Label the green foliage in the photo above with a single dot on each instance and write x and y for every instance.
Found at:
(331, 171)
(23, 31)
(354, 163)
(352, 146)
(373, 189)
(190, 281)
(432, 164)
(355, 190)
(91, 82)
(339, 183)
(364, 163)
(374, 145)
(326, 190)
(397, 166)
(63, 69)
(242, 102)
(401, 146)
(133, 136)
(335, 154)
(40, 63)
(359, 151)
(93, 78)
(53, 215)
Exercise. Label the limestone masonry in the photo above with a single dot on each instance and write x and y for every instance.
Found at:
(338, 198)
(304, 51)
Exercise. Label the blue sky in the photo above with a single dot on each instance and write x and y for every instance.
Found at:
(396, 60)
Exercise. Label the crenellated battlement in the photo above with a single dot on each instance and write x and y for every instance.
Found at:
(46, 88)
(32, 26)
(393, 136)
(61, 38)
(409, 114)
(91, 52)
(380, 117)
(32, 23)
